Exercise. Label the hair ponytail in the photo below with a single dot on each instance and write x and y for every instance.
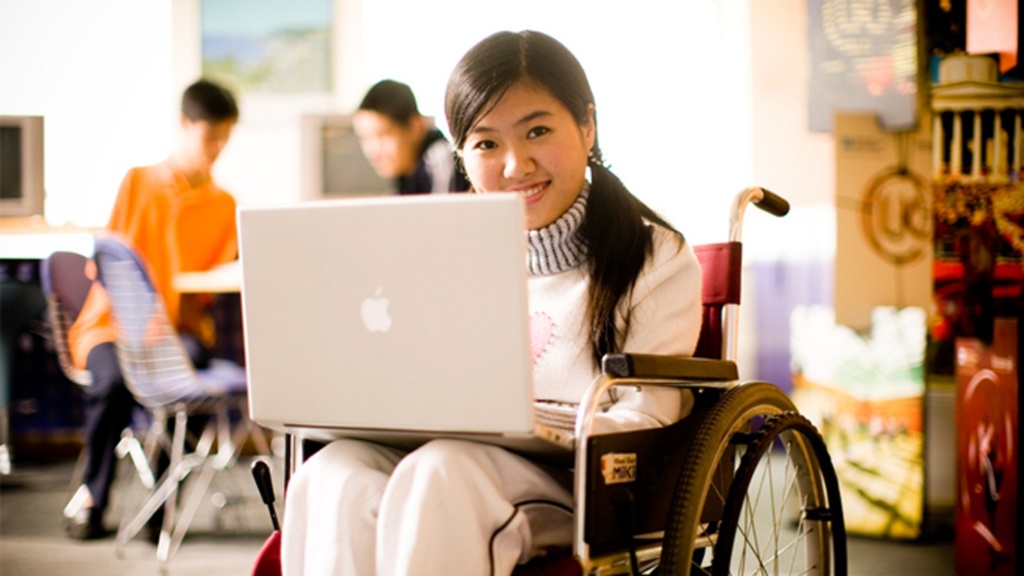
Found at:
(618, 245)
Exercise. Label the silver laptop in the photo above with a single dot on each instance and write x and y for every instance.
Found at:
(392, 319)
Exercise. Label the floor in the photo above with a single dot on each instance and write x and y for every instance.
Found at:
(32, 542)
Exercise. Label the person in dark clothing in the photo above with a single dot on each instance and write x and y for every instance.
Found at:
(402, 145)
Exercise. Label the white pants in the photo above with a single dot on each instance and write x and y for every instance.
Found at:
(450, 507)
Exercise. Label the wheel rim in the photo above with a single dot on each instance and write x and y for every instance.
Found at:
(782, 509)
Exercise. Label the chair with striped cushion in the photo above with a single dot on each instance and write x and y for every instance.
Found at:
(160, 374)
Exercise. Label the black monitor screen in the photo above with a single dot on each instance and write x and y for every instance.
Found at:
(10, 162)
(345, 169)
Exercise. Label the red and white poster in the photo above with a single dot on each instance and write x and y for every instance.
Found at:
(993, 27)
(987, 452)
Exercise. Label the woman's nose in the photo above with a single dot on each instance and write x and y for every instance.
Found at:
(518, 163)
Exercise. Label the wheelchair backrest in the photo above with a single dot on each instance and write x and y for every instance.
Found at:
(721, 264)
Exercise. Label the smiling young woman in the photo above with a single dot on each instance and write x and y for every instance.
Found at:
(606, 274)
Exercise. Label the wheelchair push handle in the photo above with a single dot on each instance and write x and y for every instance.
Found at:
(772, 203)
(763, 199)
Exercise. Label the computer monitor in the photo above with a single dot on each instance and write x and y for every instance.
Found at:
(332, 164)
(21, 166)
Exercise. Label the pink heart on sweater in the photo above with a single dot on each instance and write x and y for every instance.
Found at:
(542, 332)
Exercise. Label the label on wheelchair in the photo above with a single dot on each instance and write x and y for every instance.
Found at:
(618, 468)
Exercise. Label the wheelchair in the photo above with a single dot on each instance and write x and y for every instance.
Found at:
(742, 485)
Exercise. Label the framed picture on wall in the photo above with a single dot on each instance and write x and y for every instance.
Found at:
(268, 46)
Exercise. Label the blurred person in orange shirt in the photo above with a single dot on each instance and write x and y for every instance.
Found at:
(179, 220)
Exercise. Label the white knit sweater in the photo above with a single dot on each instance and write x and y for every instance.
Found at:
(666, 315)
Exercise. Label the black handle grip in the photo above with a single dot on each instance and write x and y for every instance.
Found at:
(773, 204)
(261, 474)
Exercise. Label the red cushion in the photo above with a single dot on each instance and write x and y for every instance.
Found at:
(551, 565)
(268, 561)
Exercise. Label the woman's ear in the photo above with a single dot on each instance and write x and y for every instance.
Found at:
(589, 127)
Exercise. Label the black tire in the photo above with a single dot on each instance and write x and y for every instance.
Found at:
(690, 533)
(784, 514)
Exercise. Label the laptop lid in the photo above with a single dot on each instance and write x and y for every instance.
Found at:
(394, 314)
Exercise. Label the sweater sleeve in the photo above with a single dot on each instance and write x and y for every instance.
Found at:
(665, 309)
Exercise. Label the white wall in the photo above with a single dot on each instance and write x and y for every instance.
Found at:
(100, 72)
(671, 81)
(672, 88)
(787, 157)
(696, 100)
(675, 92)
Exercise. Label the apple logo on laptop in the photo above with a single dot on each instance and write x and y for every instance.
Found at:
(375, 313)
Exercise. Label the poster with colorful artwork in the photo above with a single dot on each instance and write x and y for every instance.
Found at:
(865, 393)
(268, 46)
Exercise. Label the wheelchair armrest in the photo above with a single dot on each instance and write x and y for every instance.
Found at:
(668, 367)
(714, 376)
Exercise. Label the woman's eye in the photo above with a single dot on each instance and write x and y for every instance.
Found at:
(484, 145)
(537, 131)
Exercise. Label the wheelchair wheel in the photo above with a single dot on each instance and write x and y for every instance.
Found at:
(732, 429)
(783, 514)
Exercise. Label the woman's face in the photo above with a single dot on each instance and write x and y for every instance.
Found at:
(391, 148)
(530, 144)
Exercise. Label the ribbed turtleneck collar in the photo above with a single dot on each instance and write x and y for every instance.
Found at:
(559, 246)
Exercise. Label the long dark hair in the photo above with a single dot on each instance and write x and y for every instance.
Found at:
(619, 242)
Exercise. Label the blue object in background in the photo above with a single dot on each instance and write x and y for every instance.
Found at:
(779, 287)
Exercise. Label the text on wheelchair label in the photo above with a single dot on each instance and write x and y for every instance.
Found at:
(618, 468)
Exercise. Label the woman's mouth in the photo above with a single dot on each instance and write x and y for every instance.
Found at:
(532, 191)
